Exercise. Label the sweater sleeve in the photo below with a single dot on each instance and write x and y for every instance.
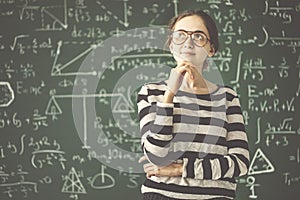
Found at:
(236, 162)
(156, 127)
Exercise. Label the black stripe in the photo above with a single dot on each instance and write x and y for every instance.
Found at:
(157, 83)
(231, 180)
(193, 155)
(201, 138)
(160, 143)
(243, 159)
(215, 95)
(161, 161)
(190, 168)
(238, 143)
(164, 111)
(155, 92)
(236, 171)
(207, 172)
(156, 196)
(224, 166)
(230, 96)
(235, 127)
(186, 119)
(234, 110)
(198, 120)
(145, 111)
(166, 130)
(141, 97)
(146, 128)
(194, 106)
(190, 189)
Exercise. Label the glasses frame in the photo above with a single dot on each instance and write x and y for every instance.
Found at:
(191, 34)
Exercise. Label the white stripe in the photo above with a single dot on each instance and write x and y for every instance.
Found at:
(235, 118)
(202, 113)
(163, 120)
(216, 169)
(241, 151)
(201, 102)
(146, 119)
(231, 168)
(194, 182)
(202, 129)
(155, 98)
(162, 137)
(198, 168)
(230, 91)
(156, 150)
(143, 90)
(237, 135)
(200, 147)
(142, 104)
(188, 182)
(235, 102)
(165, 105)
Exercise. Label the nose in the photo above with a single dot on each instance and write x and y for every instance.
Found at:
(189, 42)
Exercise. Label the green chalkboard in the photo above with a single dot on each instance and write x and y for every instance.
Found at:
(70, 71)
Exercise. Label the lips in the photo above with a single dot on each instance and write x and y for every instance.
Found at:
(187, 53)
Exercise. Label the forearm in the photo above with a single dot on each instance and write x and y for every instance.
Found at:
(171, 170)
(229, 166)
(156, 126)
(168, 97)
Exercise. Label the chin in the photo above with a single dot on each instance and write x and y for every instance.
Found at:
(183, 58)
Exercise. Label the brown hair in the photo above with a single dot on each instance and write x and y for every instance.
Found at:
(208, 22)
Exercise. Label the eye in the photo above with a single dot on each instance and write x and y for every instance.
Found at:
(180, 34)
(199, 36)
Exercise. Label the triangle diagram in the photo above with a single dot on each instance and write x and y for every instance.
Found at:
(73, 184)
(63, 62)
(54, 17)
(53, 107)
(123, 20)
(122, 106)
(260, 164)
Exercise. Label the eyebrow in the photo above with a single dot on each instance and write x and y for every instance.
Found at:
(191, 31)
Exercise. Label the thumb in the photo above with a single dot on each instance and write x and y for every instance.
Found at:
(143, 158)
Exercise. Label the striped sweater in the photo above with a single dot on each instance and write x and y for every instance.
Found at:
(204, 132)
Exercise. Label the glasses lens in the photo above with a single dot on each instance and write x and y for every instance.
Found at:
(178, 37)
(199, 38)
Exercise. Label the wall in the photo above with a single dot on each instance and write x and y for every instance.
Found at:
(69, 75)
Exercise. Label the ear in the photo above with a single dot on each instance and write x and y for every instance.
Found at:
(211, 51)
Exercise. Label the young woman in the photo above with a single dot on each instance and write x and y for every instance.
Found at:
(193, 133)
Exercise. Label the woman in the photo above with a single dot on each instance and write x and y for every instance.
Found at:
(193, 133)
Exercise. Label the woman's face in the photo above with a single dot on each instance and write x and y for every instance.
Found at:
(188, 51)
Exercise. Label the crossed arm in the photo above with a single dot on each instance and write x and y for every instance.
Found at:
(156, 128)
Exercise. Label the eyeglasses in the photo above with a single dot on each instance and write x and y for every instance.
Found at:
(199, 38)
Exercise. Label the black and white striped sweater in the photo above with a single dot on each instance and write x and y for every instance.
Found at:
(205, 132)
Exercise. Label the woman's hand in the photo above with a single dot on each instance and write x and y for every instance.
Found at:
(171, 170)
(185, 71)
(177, 75)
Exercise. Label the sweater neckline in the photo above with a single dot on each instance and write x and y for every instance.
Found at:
(198, 94)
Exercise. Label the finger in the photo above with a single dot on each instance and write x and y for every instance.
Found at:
(150, 174)
(190, 64)
(143, 158)
(186, 63)
(187, 68)
(153, 173)
(149, 167)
